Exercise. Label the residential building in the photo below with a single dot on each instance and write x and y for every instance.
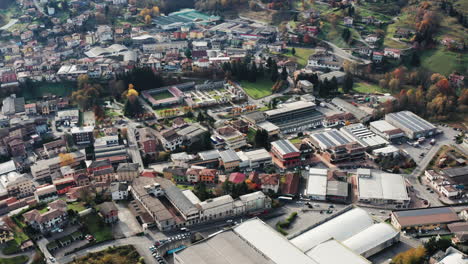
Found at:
(253, 159)
(119, 191)
(237, 177)
(12, 105)
(208, 176)
(52, 220)
(147, 141)
(46, 194)
(63, 185)
(53, 148)
(101, 171)
(109, 212)
(269, 182)
(171, 140)
(83, 135)
(127, 171)
(6, 233)
(229, 138)
(13, 184)
(177, 174)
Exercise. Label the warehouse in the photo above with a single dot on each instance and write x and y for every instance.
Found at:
(381, 188)
(386, 130)
(317, 184)
(364, 136)
(354, 228)
(336, 146)
(412, 125)
(424, 218)
(285, 154)
(459, 175)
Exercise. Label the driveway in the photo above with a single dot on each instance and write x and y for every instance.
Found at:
(128, 225)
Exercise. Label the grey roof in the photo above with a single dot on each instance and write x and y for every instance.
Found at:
(456, 172)
(284, 146)
(192, 131)
(358, 113)
(128, 167)
(337, 188)
(411, 121)
(255, 116)
(424, 212)
(176, 196)
(209, 155)
(7, 167)
(107, 207)
(118, 187)
(229, 156)
(226, 247)
(331, 138)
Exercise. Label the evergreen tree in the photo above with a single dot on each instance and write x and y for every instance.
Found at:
(284, 74)
(293, 51)
(253, 72)
(348, 83)
(274, 72)
(334, 85)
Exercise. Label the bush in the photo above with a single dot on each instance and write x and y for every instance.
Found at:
(286, 223)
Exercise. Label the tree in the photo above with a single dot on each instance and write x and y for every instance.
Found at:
(435, 244)
(261, 139)
(348, 83)
(147, 19)
(293, 51)
(394, 84)
(411, 256)
(188, 53)
(284, 74)
(346, 34)
(274, 72)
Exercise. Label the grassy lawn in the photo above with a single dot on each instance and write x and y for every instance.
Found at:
(258, 89)
(15, 260)
(163, 95)
(364, 87)
(13, 246)
(122, 254)
(42, 88)
(76, 206)
(444, 61)
(301, 56)
(185, 187)
(295, 140)
(96, 227)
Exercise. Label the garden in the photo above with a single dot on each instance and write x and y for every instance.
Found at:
(259, 89)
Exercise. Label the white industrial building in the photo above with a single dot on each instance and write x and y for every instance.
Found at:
(382, 188)
(364, 136)
(348, 238)
(255, 158)
(413, 125)
(317, 184)
(354, 230)
(386, 130)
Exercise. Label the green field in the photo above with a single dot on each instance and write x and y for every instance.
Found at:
(42, 88)
(443, 61)
(301, 56)
(364, 87)
(14, 260)
(96, 227)
(258, 89)
(76, 206)
(163, 95)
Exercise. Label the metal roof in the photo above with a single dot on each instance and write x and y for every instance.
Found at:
(209, 155)
(341, 227)
(426, 216)
(271, 243)
(284, 146)
(229, 156)
(363, 135)
(331, 138)
(371, 237)
(411, 121)
(382, 185)
(333, 252)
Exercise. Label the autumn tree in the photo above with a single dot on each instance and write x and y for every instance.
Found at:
(411, 256)
(66, 159)
(147, 19)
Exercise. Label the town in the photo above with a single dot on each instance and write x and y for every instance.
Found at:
(233, 131)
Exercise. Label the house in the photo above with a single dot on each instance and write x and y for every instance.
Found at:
(46, 194)
(208, 176)
(101, 170)
(6, 233)
(177, 174)
(53, 148)
(119, 191)
(377, 56)
(348, 21)
(171, 140)
(229, 137)
(269, 182)
(229, 160)
(306, 86)
(403, 33)
(193, 175)
(456, 79)
(109, 213)
(127, 171)
(147, 141)
(83, 135)
(52, 220)
(371, 39)
(237, 177)
(392, 53)
(30, 109)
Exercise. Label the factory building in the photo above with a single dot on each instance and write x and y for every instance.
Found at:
(412, 125)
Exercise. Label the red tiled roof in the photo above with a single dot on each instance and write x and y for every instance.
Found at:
(237, 177)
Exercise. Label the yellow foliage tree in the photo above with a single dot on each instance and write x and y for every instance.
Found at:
(147, 19)
(155, 11)
(411, 256)
(66, 159)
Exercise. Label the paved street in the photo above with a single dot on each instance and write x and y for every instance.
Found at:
(128, 225)
(141, 243)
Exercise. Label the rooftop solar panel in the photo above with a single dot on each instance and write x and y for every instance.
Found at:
(338, 137)
(324, 140)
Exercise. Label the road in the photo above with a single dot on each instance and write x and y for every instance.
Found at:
(9, 24)
(345, 55)
(141, 243)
